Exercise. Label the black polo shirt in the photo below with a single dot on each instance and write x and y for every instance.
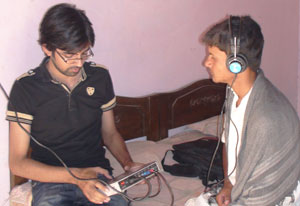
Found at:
(68, 122)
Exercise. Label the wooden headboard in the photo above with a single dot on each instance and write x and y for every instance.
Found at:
(152, 116)
(193, 103)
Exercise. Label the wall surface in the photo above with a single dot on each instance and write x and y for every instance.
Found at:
(149, 46)
(298, 92)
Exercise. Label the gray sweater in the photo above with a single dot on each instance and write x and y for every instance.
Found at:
(268, 163)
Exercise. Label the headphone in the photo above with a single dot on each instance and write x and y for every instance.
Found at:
(236, 62)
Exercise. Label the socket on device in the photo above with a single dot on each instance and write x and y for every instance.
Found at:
(129, 179)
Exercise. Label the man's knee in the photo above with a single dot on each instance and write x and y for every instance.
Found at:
(48, 194)
(117, 200)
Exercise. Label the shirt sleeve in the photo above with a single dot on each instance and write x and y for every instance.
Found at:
(18, 108)
(110, 97)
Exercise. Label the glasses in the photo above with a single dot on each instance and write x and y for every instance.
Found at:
(69, 59)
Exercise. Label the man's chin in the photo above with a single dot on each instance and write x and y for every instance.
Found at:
(72, 73)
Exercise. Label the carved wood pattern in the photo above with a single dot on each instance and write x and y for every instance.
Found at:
(205, 100)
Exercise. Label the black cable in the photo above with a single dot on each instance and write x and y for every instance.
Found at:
(40, 144)
(87, 179)
(159, 186)
(219, 140)
(130, 198)
(237, 133)
(147, 194)
(169, 188)
(217, 146)
(159, 177)
(62, 162)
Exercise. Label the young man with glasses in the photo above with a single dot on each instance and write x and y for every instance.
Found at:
(65, 105)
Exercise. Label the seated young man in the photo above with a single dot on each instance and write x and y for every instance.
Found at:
(262, 136)
(66, 105)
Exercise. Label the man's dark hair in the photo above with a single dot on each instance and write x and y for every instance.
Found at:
(67, 28)
(251, 39)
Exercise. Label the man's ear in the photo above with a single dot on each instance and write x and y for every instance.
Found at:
(45, 50)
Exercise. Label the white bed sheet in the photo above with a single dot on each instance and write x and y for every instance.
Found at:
(147, 151)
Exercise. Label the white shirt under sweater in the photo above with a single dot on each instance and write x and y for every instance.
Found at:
(236, 125)
(235, 131)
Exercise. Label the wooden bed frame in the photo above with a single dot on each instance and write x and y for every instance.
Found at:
(152, 116)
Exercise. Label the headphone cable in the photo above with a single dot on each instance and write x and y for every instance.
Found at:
(219, 140)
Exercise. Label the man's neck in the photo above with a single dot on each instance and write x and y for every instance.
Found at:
(243, 83)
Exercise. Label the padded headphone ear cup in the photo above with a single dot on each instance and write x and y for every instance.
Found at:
(236, 64)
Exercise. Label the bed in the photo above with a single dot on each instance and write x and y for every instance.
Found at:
(150, 126)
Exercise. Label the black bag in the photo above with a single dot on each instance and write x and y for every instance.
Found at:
(194, 160)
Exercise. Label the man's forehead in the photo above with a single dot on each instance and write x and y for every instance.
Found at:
(215, 49)
(82, 49)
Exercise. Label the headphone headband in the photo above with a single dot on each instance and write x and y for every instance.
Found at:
(236, 62)
(234, 31)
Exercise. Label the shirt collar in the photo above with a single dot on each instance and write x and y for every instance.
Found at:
(46, 77)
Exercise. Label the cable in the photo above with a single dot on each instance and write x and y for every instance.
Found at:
(159, 186)
(148, 194)
(130, 198)
(219, 140)
(169, 188)
(40, 144)
(86, 179)
(217, 146)
(237, 133)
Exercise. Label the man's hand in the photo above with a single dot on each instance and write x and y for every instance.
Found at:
(224, 196)
(133, 166)
(90, 188)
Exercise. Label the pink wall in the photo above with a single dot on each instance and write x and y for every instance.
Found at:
(149, 46)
